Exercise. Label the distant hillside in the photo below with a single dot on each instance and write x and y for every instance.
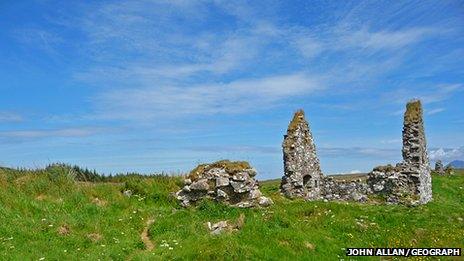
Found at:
(457, 164)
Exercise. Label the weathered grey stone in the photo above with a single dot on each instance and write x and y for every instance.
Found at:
(449, 170)
(302, 173)
(216, 172)
(241, 176)
(228, 182)
(222, 194)
(439, 169)
(241, 187)
(255, 193)
(218, 227)
(244, 204)
(252, 172)
(265, 202)
(201, 184)
(222, 182)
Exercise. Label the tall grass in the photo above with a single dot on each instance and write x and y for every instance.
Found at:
(48, 214)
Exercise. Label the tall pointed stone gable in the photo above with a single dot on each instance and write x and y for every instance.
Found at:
(414, 143)
(415, 158)
(302, 172)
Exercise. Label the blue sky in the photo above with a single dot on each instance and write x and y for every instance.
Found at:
(154, 86)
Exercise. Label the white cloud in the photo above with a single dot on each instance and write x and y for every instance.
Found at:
(234, 97)
(32, 134)
(10, 116)
(360, 152)
(391, 141)
(385, 39)
(446, 154)
(435, 111)
(160, 55)
(309, 47)
(427, 94)
(355, 171)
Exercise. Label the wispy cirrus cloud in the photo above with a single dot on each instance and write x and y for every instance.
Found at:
(435, 111)
(234, 97)
(358, 152)
(428, 94)
(20, 135)
(244, 149)
(162, 54)
(10, 117)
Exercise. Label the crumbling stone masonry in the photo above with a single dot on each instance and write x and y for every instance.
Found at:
(409, 182)
(439, 169)
(232, 183)
(303, 174)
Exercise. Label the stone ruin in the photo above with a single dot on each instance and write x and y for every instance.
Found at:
(449, 170)
(232, 183)
(303, 173)
(409, 182)
(439, 169)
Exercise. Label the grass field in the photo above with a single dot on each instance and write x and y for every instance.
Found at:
(46, 215)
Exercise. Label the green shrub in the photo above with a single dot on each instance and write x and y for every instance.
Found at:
(137, 185)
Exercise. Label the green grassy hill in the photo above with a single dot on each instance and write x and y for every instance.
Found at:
(47, 215)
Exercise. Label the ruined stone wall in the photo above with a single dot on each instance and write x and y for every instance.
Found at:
(409, 182)
(356, 190)
(303, 176)
(439, 169)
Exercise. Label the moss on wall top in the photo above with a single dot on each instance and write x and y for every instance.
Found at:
(230, 167)
(413, 111)
(298, 118)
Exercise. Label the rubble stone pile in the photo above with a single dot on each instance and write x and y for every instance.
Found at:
(232, 183)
